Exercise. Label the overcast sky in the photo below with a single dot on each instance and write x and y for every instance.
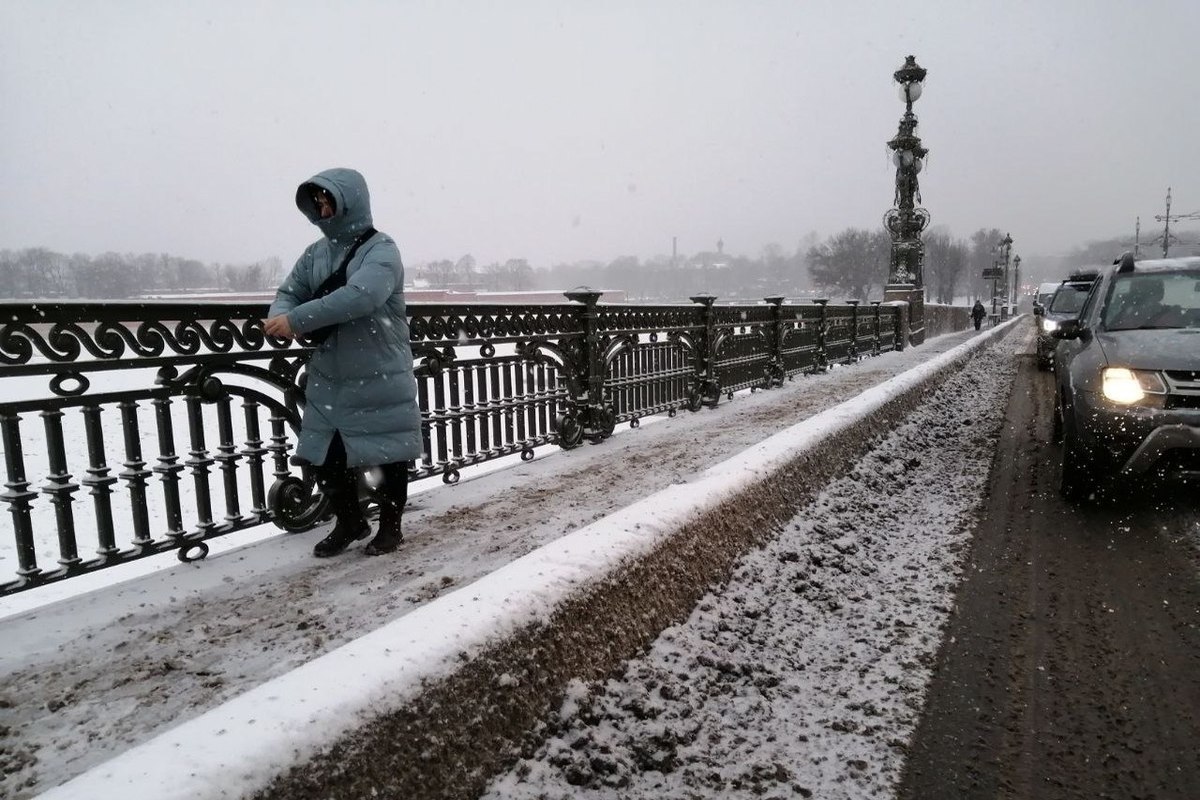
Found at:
(560, 131)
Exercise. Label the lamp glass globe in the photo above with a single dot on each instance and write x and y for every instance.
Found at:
(910, 92)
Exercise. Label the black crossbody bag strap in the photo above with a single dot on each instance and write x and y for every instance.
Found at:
(336, 281)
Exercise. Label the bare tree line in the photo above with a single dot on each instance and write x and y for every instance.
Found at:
(37, 272)
(852, 263)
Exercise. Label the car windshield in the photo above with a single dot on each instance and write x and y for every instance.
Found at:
(1069, 298)
(1154, 300)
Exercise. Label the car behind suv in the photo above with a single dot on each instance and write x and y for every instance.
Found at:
(1127, 376)
(1045, 292)
(1064, 304)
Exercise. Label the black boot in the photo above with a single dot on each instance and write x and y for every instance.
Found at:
(341, 485)
(341, 536)
(389, 536)
(393, 494)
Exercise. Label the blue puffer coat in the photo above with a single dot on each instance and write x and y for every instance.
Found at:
(360, 380)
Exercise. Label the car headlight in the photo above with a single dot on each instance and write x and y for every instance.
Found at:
(1127, 386)
(1049, 325)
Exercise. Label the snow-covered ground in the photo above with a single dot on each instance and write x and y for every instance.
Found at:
(165, 648)
(803, 675)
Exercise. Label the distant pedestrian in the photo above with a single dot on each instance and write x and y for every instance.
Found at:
(347, 293)
(978, 312)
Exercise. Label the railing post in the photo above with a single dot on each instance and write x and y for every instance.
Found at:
(707, 390)
(590, 414)
(775, 370)
(822, 360)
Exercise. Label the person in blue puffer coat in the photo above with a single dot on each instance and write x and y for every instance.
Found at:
(361, 397)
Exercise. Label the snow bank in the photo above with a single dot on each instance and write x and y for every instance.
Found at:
(395, 687)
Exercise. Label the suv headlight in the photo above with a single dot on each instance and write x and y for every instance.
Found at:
(1049, 325)
(1127, 386)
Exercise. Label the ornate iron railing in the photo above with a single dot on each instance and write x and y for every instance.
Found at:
(136, 403)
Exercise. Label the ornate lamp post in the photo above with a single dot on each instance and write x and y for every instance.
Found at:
(906, 221)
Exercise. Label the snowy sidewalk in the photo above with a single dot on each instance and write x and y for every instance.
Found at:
(168, 647)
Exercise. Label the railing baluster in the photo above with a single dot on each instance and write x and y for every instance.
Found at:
(670, 387)
(537, 400)
(199, 462)
(519, 397)
(481, 406)
(279, 447)
(426, 420)
(634, 379)
(649, 368)
(18, 495)
(470, 420)
(506, 398)
(639, 381)
(228, 457)
(168, 468)
(544, 390)
(255, 455)
(100, 482)
(495, 406)
(135, 474)
(455, 413)
(441, 451)
(622, 395)
(555, 386)
(60, 488)
(663, 356)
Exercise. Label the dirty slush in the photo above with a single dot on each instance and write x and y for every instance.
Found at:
(805, 673)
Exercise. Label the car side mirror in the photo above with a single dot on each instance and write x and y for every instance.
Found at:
(1070, 329)
(1039, 310)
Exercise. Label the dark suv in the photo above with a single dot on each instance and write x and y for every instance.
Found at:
(1064, 304)
(1127, 375)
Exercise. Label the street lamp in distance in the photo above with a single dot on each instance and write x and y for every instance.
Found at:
(1005, 247)
(1016, 283)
